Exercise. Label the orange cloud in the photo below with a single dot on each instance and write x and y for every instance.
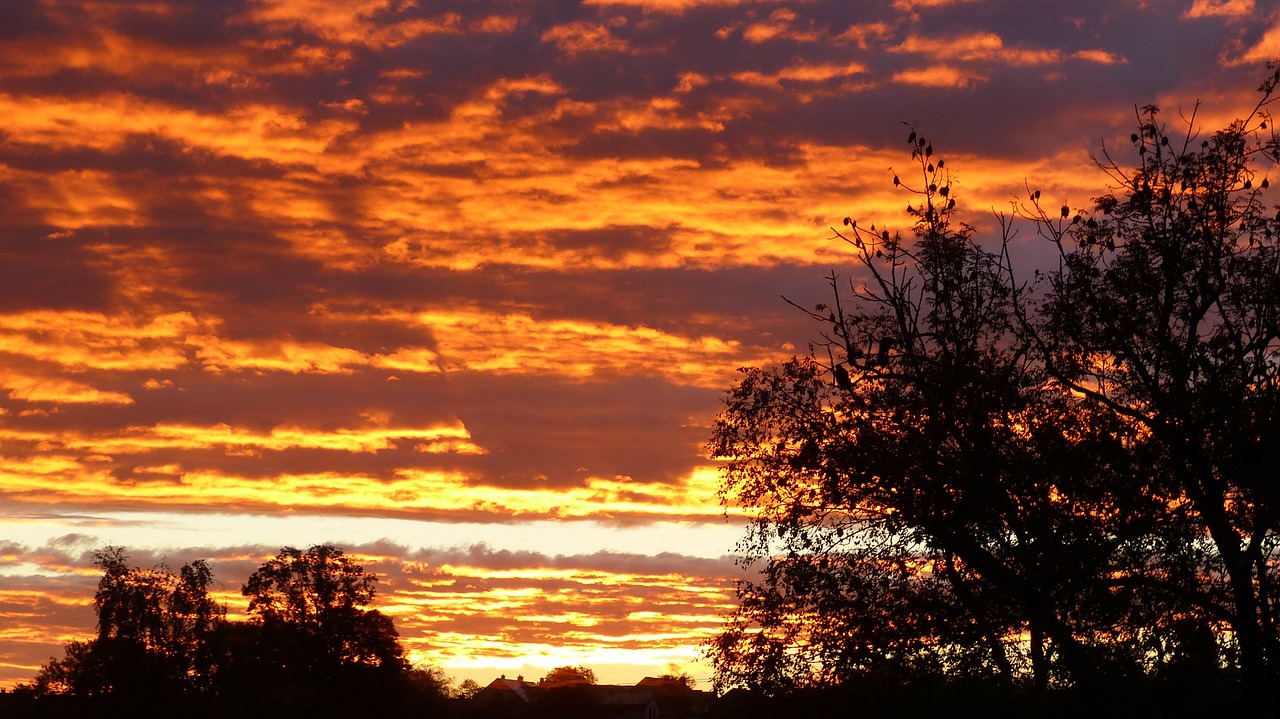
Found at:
(351, 23)
(985, 46)
(279, 355)
(58, 391)
(1220, 8)
(57, 478)
(669, 6)
(581, 37)
(912, 5)
(473, 611)
(938, 76)
(990, 47)
(79, 341)
(1101, 57)
(477, 341)
(465, 338)
(496, 24)
(781, 25)
(137, 440)
(105, 122)
(862, 34)
(97, 46)
(550, 616)
(88, 340)
(801, 73)
(664, 113)
(1266, 49)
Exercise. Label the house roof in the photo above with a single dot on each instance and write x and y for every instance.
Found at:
(674, 697)
(626, 696)
(518, 687)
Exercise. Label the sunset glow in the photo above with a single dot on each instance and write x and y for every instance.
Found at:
(458, 286)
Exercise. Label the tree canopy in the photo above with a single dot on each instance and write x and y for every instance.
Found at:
(314, 601)
(164, 647)
(156, 636)
(1061, 480)
(566, 675)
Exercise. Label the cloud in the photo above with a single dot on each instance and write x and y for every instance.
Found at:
(135, 440)
(975, 47)
(88, 340)
(1265, 49)
(938, 76)
(584, 37)
(781, 25)
(914, 4)
(412, 493)
(374, 23)
(1219, 8)
(463, 605)
(58, 391)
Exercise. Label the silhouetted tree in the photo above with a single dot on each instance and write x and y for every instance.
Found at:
(684, 679)
(467, 689)
(1011, 483)
(568, 700)
(1165, 312)
(568, 675)
(317, 645)
(427, 687)
(912, 490)
(70, 675)
(163, 646)
(156, 642)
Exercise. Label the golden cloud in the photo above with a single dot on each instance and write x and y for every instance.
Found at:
(79, 340)
(985, 46)
(1266, 49)
(781, 25)
(477, 341)
(56, 390)
(277, 355)
(55, 477)
(105, 122)
(670, 6)
(467, 339)
(472, 615)
(581, 37)
(351, 23)
(1220, 8)
(138, 440)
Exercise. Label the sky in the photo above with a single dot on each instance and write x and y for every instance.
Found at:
(459, 285)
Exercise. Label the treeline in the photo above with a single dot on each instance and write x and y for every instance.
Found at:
(164, 646)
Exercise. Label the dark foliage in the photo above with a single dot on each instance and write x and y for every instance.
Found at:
(976, 481)
(568, 675)
(156, 645)
(164, 647)
(316, 648)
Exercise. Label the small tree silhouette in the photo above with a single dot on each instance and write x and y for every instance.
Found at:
(568, 675)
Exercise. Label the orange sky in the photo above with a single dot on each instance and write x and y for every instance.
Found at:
(458, 285)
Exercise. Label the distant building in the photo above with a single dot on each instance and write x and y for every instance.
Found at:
(501, 698)
(651, 698)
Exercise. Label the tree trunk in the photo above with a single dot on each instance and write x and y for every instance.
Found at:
(1039, 663)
